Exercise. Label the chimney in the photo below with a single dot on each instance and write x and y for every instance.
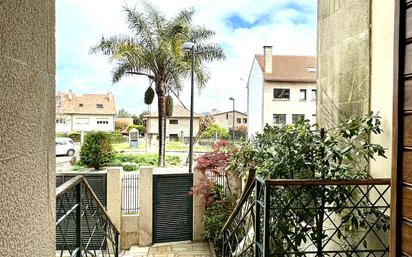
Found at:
(70, 96)
(267, 55)
(109, 96)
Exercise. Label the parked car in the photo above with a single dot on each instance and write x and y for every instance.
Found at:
(64, 146)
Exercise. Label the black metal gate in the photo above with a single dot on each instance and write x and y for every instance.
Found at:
(172, 208)
(98, 183)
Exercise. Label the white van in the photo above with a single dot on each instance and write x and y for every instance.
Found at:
(64, 146)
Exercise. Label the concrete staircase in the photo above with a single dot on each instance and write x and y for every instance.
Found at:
(176, 249)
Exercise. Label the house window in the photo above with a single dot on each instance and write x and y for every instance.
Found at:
(239, 120)
(175, 122)
(102, 122)
(311, 69)
(281, 93)
(302, 95)
(297, 117)
(279, 119)
(80, 105)
(313, 95)
(99, 106)
(82, 121)
(60, 121)
(227, 116)
(174, 137)
(245, 120)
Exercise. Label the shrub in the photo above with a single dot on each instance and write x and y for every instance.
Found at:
(117, 138)
(215, 130)
(96, 151)
(215, 218)
(120, 126)
(75, 136)
(130, 166)
(141, 128)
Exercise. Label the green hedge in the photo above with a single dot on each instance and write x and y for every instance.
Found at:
(96, 152)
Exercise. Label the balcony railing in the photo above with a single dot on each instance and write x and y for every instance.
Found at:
(310, 218)
(83, 228)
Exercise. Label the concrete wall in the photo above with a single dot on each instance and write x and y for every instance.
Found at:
(183, 125)
(225, 120)
(343, 60)
(355, 67)
(27, 108)
(254, 100)
(76, 122)
(293, 106)
(129, 231)
(146, 206)
(382, 77)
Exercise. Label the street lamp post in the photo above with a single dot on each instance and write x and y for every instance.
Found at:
(233, 119)
(191, 47)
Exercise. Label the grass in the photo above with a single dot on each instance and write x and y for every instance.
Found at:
(131, 162)
(170, 146)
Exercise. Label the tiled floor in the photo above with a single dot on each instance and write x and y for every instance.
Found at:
(179, 249)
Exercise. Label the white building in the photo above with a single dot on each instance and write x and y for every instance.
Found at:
(177, 126)
(88, 112)
(281, 90)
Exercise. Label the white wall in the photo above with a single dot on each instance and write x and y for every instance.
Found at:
(293, 106)
(255, 104)
(183, 125)
(382, 45)
(77, 122)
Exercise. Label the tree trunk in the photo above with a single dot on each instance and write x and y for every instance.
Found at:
(162, 125)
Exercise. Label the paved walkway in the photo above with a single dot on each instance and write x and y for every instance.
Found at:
(179, 249)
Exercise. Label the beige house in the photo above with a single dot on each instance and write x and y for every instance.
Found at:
(225, 119)
(281, 90)
(177, 126)
(88, 112)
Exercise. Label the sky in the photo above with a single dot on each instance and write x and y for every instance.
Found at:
(242, 28)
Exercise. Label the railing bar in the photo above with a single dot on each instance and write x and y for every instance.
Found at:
(326, 182)
(239, 206)
(241, 219)
(67, 214)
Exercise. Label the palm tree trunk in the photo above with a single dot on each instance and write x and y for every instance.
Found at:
(161, 102)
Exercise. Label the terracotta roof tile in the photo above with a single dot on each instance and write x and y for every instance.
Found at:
(69, 103)
(178, 112)
(289, 68)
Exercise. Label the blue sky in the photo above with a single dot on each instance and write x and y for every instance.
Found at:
(242, 28)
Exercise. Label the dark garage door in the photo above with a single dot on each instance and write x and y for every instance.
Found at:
(172, 208)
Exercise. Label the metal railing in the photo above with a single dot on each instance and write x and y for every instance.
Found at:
(83, 227)
(310, 218)
(130, 193)
(218, 179)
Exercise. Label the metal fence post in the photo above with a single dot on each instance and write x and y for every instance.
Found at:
(266, 220)
(257, 218)
(223, 244)
(116, 249)
(79, 220)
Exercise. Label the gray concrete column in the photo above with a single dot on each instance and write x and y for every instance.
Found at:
(146, 206)
(114, 195)
(27, 128)
(198, 209)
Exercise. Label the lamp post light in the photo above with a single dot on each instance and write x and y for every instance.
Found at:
(233, 119)
(191, 47)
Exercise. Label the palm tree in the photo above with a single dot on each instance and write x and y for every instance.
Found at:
(154, 49)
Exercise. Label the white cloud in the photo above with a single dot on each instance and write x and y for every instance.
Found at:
(81, 23)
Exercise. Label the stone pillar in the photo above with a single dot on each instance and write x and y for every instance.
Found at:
(343, 60)
(198, 210)
(27, 128)
(146, 206)
(114, 195)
